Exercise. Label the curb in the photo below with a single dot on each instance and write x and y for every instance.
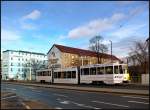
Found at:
(83, 89)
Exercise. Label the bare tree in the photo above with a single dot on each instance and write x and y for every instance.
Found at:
(97, 46)
(139, 55)
(34, 65)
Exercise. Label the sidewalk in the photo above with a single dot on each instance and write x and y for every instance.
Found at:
(89, 89)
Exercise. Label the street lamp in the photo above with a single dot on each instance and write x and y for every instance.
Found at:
(111, 50)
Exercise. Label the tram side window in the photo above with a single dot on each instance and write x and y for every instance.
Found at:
(109, 70)
(120, 69)
(93, 71)
(73, 74)
(116, 70)
(68, 74)
(65, 74)
(86, 71)
(100, 70)
(55, 74)
(59, 74)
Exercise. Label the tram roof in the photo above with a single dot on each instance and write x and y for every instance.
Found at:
(101, 65)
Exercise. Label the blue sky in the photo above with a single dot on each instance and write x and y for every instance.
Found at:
(37, 25)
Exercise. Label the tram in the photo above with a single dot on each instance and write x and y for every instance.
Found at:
(96, 73)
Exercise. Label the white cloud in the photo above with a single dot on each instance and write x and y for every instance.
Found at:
(35, 14)
(28, 26)
(8, 36)
(26, 23)
(96, 26)
(127, 31)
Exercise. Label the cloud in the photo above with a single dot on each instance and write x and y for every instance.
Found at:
(26, 22)
(128, 31)
(8, 36)
(35, 14)
(28, 26)
(95, 27)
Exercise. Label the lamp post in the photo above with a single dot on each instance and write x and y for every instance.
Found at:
(111, 50)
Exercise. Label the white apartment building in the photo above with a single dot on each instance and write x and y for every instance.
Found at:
(17, 64)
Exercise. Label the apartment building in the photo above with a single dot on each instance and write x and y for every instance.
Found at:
(64, 56)
(17, 64)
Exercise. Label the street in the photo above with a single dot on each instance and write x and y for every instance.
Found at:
(71, 99)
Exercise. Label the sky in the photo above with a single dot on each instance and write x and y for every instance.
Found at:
(37, 25)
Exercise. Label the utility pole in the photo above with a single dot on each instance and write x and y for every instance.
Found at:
(111, 50)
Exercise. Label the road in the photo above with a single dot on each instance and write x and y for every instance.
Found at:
(71, 99)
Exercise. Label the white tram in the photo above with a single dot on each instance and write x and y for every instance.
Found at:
(95, 73)
(44, 75)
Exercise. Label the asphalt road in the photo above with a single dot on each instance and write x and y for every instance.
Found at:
(70, 99)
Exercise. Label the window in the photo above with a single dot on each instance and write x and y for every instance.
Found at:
(11, 69)
(11, 52)
(11, 58)
(109, 70)
(19, 59)
(93, 71)
(22, 53)
(22, 59)
(85, 71)
(115, 69)
(19, 69)
(18, 64)
(120, 69)
(59, 74)
(26, 59)
(100, 70)
(55, 74)
(11, 64)
(73, 74)
(68, 74)
(65, 74)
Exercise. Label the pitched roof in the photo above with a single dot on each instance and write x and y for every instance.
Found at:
(82, 52)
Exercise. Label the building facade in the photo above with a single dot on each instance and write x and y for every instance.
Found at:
(18, 64)
(63, 57)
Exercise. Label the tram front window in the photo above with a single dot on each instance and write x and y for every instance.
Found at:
(120, 69)
(109, 70)
(116, 70)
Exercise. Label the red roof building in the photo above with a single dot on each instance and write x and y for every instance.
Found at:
(69, 56)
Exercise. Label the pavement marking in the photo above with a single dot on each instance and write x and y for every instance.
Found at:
(111, 104)
(58, 108)
(8, 97)
(11, 89)
(137, 102)
(60, 95)
(64, 102)
(35, 91)
(27, 107)
(82, 105)
(31, 87)
(135, 97)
